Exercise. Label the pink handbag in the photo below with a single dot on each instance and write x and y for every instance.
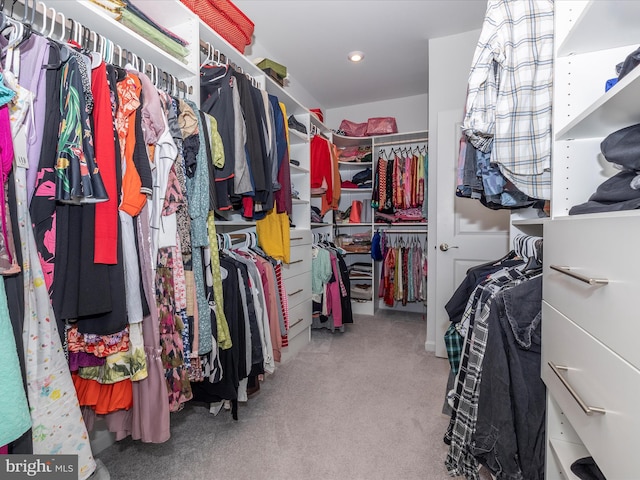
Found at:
(381, 126)
(352, 129)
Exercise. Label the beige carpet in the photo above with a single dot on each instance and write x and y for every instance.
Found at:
(363, 404)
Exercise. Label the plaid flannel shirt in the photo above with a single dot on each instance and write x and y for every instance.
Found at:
(508, 108)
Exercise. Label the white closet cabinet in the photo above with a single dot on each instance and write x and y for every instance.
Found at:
(590, 358)
(368, 222)
(346, 227)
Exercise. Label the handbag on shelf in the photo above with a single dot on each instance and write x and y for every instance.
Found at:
(381, 126)
(318, 113)
(353, 129)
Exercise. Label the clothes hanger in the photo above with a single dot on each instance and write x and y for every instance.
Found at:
(63, 31)
(43, 27)
(25, 13)
(95, 54)
(119, 48)
(216, 62)
(4, 20)
(209, 55)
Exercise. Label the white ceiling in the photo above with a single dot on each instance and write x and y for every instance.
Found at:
(313, 37)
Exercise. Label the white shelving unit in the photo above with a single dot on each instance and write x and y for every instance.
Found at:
(591, 38)
(179, 19)
(345, 227)
(368, 223)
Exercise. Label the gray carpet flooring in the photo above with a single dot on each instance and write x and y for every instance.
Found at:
(363, 404)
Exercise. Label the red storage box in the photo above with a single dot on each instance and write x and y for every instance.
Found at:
(226, 19)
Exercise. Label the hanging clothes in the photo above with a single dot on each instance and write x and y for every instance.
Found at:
(399, 187)
(331, 287)
(500, 325)
(509, 63)
(403, 271)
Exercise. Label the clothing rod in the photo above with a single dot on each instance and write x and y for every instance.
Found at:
(392, 230)
(387, 144)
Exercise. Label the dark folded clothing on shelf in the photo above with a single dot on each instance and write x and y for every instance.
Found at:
(296, 125)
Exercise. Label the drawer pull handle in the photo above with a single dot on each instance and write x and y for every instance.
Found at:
(585, 408)
(582, 278)
(296, 261)
(297, 238)
(295, 323)
(295, 293)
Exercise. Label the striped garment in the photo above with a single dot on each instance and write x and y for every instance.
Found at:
(460, 459)
(508, 108)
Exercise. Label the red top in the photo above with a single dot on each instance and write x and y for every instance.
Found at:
(106, 223)
(321, 165)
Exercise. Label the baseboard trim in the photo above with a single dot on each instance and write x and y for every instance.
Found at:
(430, 346)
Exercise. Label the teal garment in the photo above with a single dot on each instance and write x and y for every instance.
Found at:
(6, 94)
(320, 270)
(198, 190)
(425, 202)
(198, 203)
(16, 418)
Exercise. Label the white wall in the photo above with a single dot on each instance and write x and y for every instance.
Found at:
(449, 64)
(292, 87)
(410, 113)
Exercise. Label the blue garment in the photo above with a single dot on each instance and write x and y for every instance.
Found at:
(493, 181)
(13, 401)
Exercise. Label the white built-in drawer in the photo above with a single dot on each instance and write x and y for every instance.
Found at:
(298, 289)
(299, 318)
(299, 262)
(299, 237)
(601, 379)
(597, 248)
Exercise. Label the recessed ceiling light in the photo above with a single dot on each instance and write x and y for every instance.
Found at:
(356, 56)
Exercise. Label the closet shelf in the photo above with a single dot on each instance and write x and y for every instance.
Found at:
(352, 190)
(603, 25)
(356, 164)
(608, 113)
(400, 224)
(298, 201)
(344, 141)
(296, 137)
(566, 453)
(531, 221)
(98, 20)
(317, 225)
(338, 225)
(234, 223)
